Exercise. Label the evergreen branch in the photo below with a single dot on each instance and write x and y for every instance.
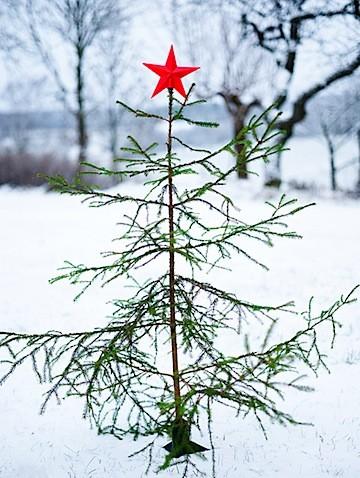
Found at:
(140, 113)
(63, 186)
(292, 347)
(203, 124)
(185, 103)
(191, 148)
(232, 298)
(249, 154)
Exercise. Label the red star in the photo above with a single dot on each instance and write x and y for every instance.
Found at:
(170, 74)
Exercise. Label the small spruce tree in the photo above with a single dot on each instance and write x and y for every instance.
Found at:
(117, 369)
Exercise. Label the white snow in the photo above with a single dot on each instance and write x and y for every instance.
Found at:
(39, 230)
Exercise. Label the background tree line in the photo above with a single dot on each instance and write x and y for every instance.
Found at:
(254, 53)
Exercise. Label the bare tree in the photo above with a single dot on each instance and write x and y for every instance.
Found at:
(340, 123)
(280, 28)
(78, 24)
(237, 71)
(288, 25)
(243, 78)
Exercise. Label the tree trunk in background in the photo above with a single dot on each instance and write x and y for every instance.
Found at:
(81, 113)
(238, 112)
(113, 122)
(331, 149)
(113, 127)
(241, 166)
(332, 166)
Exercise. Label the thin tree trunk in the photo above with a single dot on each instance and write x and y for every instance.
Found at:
(81, 114)
(113, 125)
(180, 444)
(332, 165)
(112, 112)
(241, 166)
(174, 349)
(331, 149)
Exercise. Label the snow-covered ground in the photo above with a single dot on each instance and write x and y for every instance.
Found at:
(39, 230)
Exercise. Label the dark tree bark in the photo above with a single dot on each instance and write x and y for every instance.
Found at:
(356, 8)
(81, 113)
(238, 112)
(331, 149)
(239, 123)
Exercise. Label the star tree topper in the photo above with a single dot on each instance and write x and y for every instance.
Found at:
(170, 74)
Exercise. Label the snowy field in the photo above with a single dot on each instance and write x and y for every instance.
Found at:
(39, 230)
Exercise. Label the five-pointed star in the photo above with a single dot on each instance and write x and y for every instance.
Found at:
(170, 74)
